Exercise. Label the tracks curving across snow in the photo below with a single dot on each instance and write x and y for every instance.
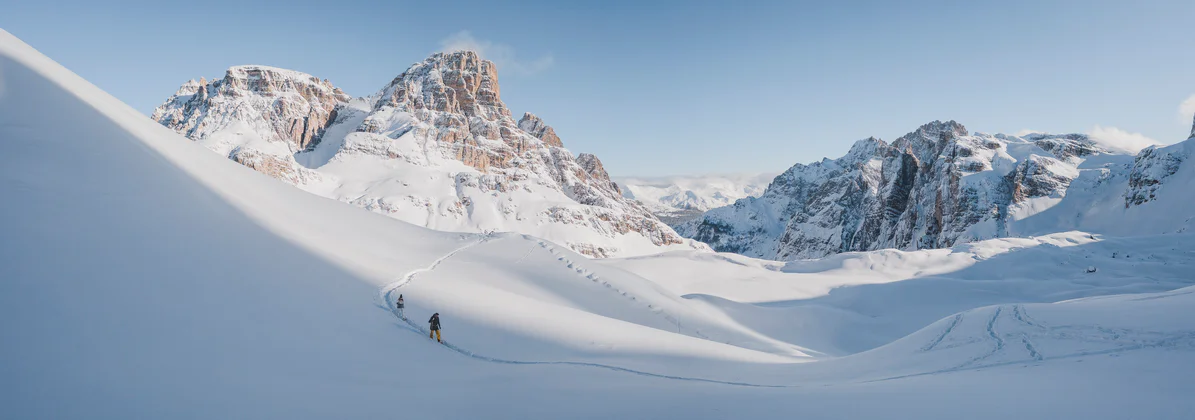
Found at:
(423, 331)
(997, 340)
(591, 276)
(949, 329)
(1119, 340)
(387, 292)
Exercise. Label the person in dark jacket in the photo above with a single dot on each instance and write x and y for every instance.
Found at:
(400, 305)
(435, 327)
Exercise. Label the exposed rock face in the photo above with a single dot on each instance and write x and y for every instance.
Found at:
(1150, 169)
(931, 188)
(281, 105)
(593, 168)
(536, 127)
(275, 166)
(436, 146)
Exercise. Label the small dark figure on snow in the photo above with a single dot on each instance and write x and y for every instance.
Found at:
(435, 326)
(400, 305)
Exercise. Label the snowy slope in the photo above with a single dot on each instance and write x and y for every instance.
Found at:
(677, 199)
(862, 300)
(145, 277)
(941, 185)
(435, 147)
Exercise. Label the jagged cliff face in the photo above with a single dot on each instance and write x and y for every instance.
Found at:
(1153, 167)
(931, 188)
(436, 146)
(281, 105)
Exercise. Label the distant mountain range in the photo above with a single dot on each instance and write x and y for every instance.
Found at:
(941, 185)
(437, 147)
(677, 199)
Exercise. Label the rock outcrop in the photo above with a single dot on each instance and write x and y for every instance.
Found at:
(279, 104)
(536, 127)
(436, 146)
(931, 188)
(1150, 170)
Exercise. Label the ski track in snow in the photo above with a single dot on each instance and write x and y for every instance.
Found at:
(946, 332)
(1123, 339)
(422, 331)
(1131, 339)
(387, 291)
(588, 274)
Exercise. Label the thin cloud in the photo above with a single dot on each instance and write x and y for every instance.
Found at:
(1118, 140)
(1027, 132)
(501, 54)
(1186, 110)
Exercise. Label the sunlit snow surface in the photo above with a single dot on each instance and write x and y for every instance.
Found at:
(142, 276)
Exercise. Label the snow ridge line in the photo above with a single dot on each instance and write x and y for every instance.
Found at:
(594, 278)
(949, 328)
(385, 291)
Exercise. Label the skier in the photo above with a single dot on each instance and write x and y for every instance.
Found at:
(400, 305)
(435, 327)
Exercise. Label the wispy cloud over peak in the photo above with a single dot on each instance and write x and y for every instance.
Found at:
(501, 54)
(1115, 139)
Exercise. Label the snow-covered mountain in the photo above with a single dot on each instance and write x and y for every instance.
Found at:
(941, 185)
(144, 277)
(436, 147)
(678, 199)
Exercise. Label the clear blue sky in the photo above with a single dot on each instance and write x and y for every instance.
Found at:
(681, 87)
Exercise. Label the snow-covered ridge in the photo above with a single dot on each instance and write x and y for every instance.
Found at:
(941, 185)
(436, 146)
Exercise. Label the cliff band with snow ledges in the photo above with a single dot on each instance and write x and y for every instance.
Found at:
(436, 147)
(941, 185)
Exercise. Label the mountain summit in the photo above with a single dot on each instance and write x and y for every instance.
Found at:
(436, 146)
(940, 185)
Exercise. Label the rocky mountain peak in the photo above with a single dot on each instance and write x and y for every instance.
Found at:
(593, 167)
(407, 144)
(533, 125)
(934, 187)
(930, 139)
(459, 82)
(289, 106)
(866, 148)
(267, 80)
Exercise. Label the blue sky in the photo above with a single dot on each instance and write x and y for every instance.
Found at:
(660, 88)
